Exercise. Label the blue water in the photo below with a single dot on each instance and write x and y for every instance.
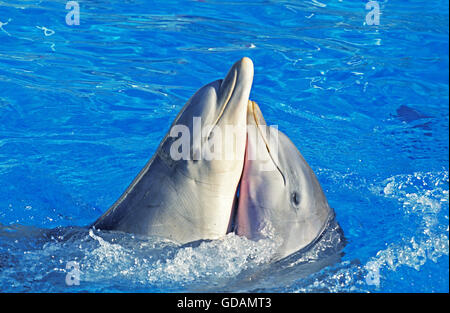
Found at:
(82, 109)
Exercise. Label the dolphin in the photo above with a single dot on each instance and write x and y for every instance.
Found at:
(279, 193)
(191, 198)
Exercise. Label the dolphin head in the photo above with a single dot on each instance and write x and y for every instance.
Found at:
(279, 192)
(205, 149)
(209, 132)
(187, 191)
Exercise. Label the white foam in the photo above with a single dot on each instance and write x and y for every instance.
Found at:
(429, 204)
(222, 258)
(173, 265)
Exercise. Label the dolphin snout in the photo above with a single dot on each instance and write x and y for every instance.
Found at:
(240, 76)
(245, 67)
(234, 93)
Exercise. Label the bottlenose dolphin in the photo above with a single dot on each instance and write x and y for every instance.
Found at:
(190, 199)
(279, 193)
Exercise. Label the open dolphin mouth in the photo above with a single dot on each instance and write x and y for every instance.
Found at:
(256, 114)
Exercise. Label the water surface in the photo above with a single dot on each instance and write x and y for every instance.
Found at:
(82, 109)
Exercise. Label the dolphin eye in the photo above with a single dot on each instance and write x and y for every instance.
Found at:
(295, 198)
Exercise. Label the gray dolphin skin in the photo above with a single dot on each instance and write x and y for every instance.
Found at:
(191, 198)
(279, 193)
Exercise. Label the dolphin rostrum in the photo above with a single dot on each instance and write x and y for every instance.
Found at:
(189, 196)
